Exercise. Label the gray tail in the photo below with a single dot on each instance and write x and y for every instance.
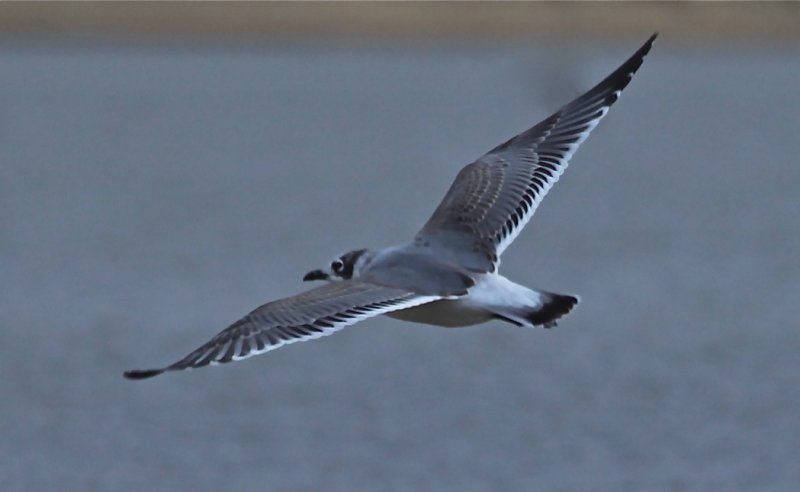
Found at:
(546, 313)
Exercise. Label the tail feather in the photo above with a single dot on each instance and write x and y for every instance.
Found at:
(550, 308)
(554, 307)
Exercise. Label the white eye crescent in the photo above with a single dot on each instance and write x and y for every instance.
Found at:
(337, 265)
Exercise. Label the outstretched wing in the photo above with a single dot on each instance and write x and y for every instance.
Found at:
(312, 314)
(493, 198)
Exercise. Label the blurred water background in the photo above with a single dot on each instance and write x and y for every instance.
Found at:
(154, 188)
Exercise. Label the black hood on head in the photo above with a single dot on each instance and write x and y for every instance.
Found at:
(349, 260)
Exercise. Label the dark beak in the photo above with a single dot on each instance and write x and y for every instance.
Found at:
(315, 275)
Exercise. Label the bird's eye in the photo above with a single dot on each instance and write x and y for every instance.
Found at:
(337, 265)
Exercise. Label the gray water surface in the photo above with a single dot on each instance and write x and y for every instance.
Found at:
(150, 196)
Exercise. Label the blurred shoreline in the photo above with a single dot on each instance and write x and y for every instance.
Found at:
(406, 22)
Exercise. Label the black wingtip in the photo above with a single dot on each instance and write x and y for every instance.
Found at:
(646, 47)
(619, 79)
(649, 43)
(633, 63)
(142, 373)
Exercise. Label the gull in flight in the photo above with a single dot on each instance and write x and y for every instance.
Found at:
(447, 275)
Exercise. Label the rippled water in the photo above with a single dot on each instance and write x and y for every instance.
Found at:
(152, 195)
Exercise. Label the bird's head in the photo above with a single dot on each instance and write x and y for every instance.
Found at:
(343, 267)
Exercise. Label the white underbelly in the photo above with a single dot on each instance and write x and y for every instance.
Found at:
(491, 295)
(449, 313)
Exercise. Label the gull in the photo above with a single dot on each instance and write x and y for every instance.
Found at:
(447, 275)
